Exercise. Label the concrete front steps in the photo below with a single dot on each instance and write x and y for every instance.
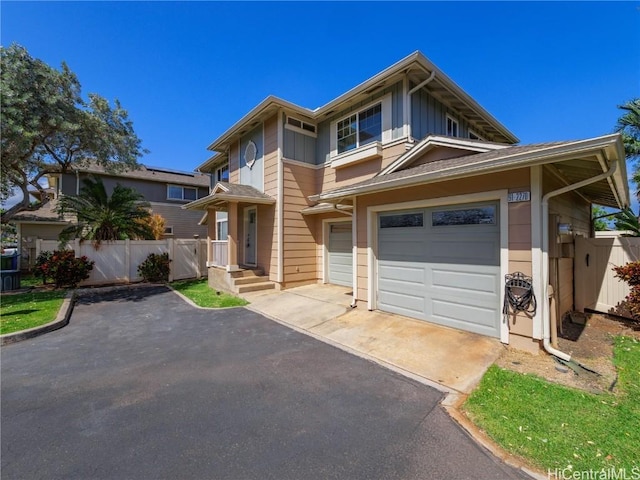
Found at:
(250, 280)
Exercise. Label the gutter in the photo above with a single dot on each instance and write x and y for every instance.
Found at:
(546, 317)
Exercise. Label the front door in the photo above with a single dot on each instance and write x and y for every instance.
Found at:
(250, 233)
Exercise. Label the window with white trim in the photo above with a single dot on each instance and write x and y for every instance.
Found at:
(178, 192)
(168, 230)
(452, 126)
(222, 173)
(360, 129)
(222, 225)
(300, 126)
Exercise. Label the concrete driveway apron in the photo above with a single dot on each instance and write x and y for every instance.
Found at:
(142, 385)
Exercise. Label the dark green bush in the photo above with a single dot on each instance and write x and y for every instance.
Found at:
(63, 268)
(155, 268)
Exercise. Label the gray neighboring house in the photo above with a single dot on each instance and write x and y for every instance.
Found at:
(166, 191)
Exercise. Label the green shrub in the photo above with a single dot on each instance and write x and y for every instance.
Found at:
(155, 268)
(63, 268)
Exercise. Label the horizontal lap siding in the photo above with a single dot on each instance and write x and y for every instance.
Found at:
(234, 163)
(331, 178)
(267, 216)
(300, 231)
(184, 222)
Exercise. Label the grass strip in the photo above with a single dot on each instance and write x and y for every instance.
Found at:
(563, 429)
(199, 292)
(27, 310)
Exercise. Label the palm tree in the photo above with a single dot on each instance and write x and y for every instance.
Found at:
(627, 221)
(629, 126)
(102, 218)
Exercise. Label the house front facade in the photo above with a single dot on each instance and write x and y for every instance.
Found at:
(409, 192)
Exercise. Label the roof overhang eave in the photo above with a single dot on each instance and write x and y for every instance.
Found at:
(269, 102)
(610, 146)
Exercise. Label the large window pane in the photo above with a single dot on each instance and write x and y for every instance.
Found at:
(189, 193)
(174, 192)
(370, 125)
(400, 220)
(347, 134)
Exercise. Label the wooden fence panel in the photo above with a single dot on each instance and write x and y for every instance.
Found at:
(597, 288)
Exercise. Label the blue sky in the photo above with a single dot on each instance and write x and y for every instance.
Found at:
(187, 71)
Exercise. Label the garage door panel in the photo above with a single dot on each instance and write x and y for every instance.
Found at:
(456, 250)
(340, 251)
(402, 273)
(464, 281)
(405, 303)
(457, 315)
(447, 274)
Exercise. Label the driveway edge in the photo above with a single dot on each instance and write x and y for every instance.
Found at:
(62, 319)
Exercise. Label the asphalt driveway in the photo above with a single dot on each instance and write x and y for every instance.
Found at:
(142, 385)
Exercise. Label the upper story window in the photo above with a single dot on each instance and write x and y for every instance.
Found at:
(222, 173)
(452, 126)
(360, 129)
(178, 192)
(474, 136)
(300, 126)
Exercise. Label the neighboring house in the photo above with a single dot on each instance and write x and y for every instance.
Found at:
(405, 189)
(165, 190)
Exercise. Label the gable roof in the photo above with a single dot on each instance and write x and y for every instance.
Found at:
(225, 192)
(433, 141)
(416, 65)
(575, 161)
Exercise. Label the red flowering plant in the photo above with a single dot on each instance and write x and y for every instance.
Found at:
(630, 273)
(63, 268)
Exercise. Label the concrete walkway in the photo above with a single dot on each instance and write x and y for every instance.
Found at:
(449, 359)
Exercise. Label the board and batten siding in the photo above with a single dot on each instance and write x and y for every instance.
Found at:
(253, 175)
(300, 232)
(298, 146)
(267, 214)
(429, 117)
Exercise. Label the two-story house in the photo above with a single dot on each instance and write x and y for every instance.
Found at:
(165, 190)
(409, 192)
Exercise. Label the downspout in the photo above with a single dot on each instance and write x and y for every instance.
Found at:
(411, 92)
(546, 319)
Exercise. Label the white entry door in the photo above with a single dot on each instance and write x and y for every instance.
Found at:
(250, 234)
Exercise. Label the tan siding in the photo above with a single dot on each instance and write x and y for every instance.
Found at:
(300, 232)
(271, 188)
(234, 163)
(267, 253)
(330, 178)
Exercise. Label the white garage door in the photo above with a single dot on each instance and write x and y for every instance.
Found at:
(340, 252)
(442, 265)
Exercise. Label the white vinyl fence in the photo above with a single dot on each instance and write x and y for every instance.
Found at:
(118, 261)
(596, 287)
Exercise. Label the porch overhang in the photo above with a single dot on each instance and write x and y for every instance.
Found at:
(327, 208)
(224, 193)
(570, 161)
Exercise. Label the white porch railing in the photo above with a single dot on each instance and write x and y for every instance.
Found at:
(220, 253)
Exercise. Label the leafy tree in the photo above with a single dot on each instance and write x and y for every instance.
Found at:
(121, 216)
(47, 127)
(156, 223)
(599, 215)
(626, 220)
(629, 126)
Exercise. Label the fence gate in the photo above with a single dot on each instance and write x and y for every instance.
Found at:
(596, 287)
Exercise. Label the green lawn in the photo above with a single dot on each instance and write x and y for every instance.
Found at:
(561, 428)
(27, 310)
(202, 295)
